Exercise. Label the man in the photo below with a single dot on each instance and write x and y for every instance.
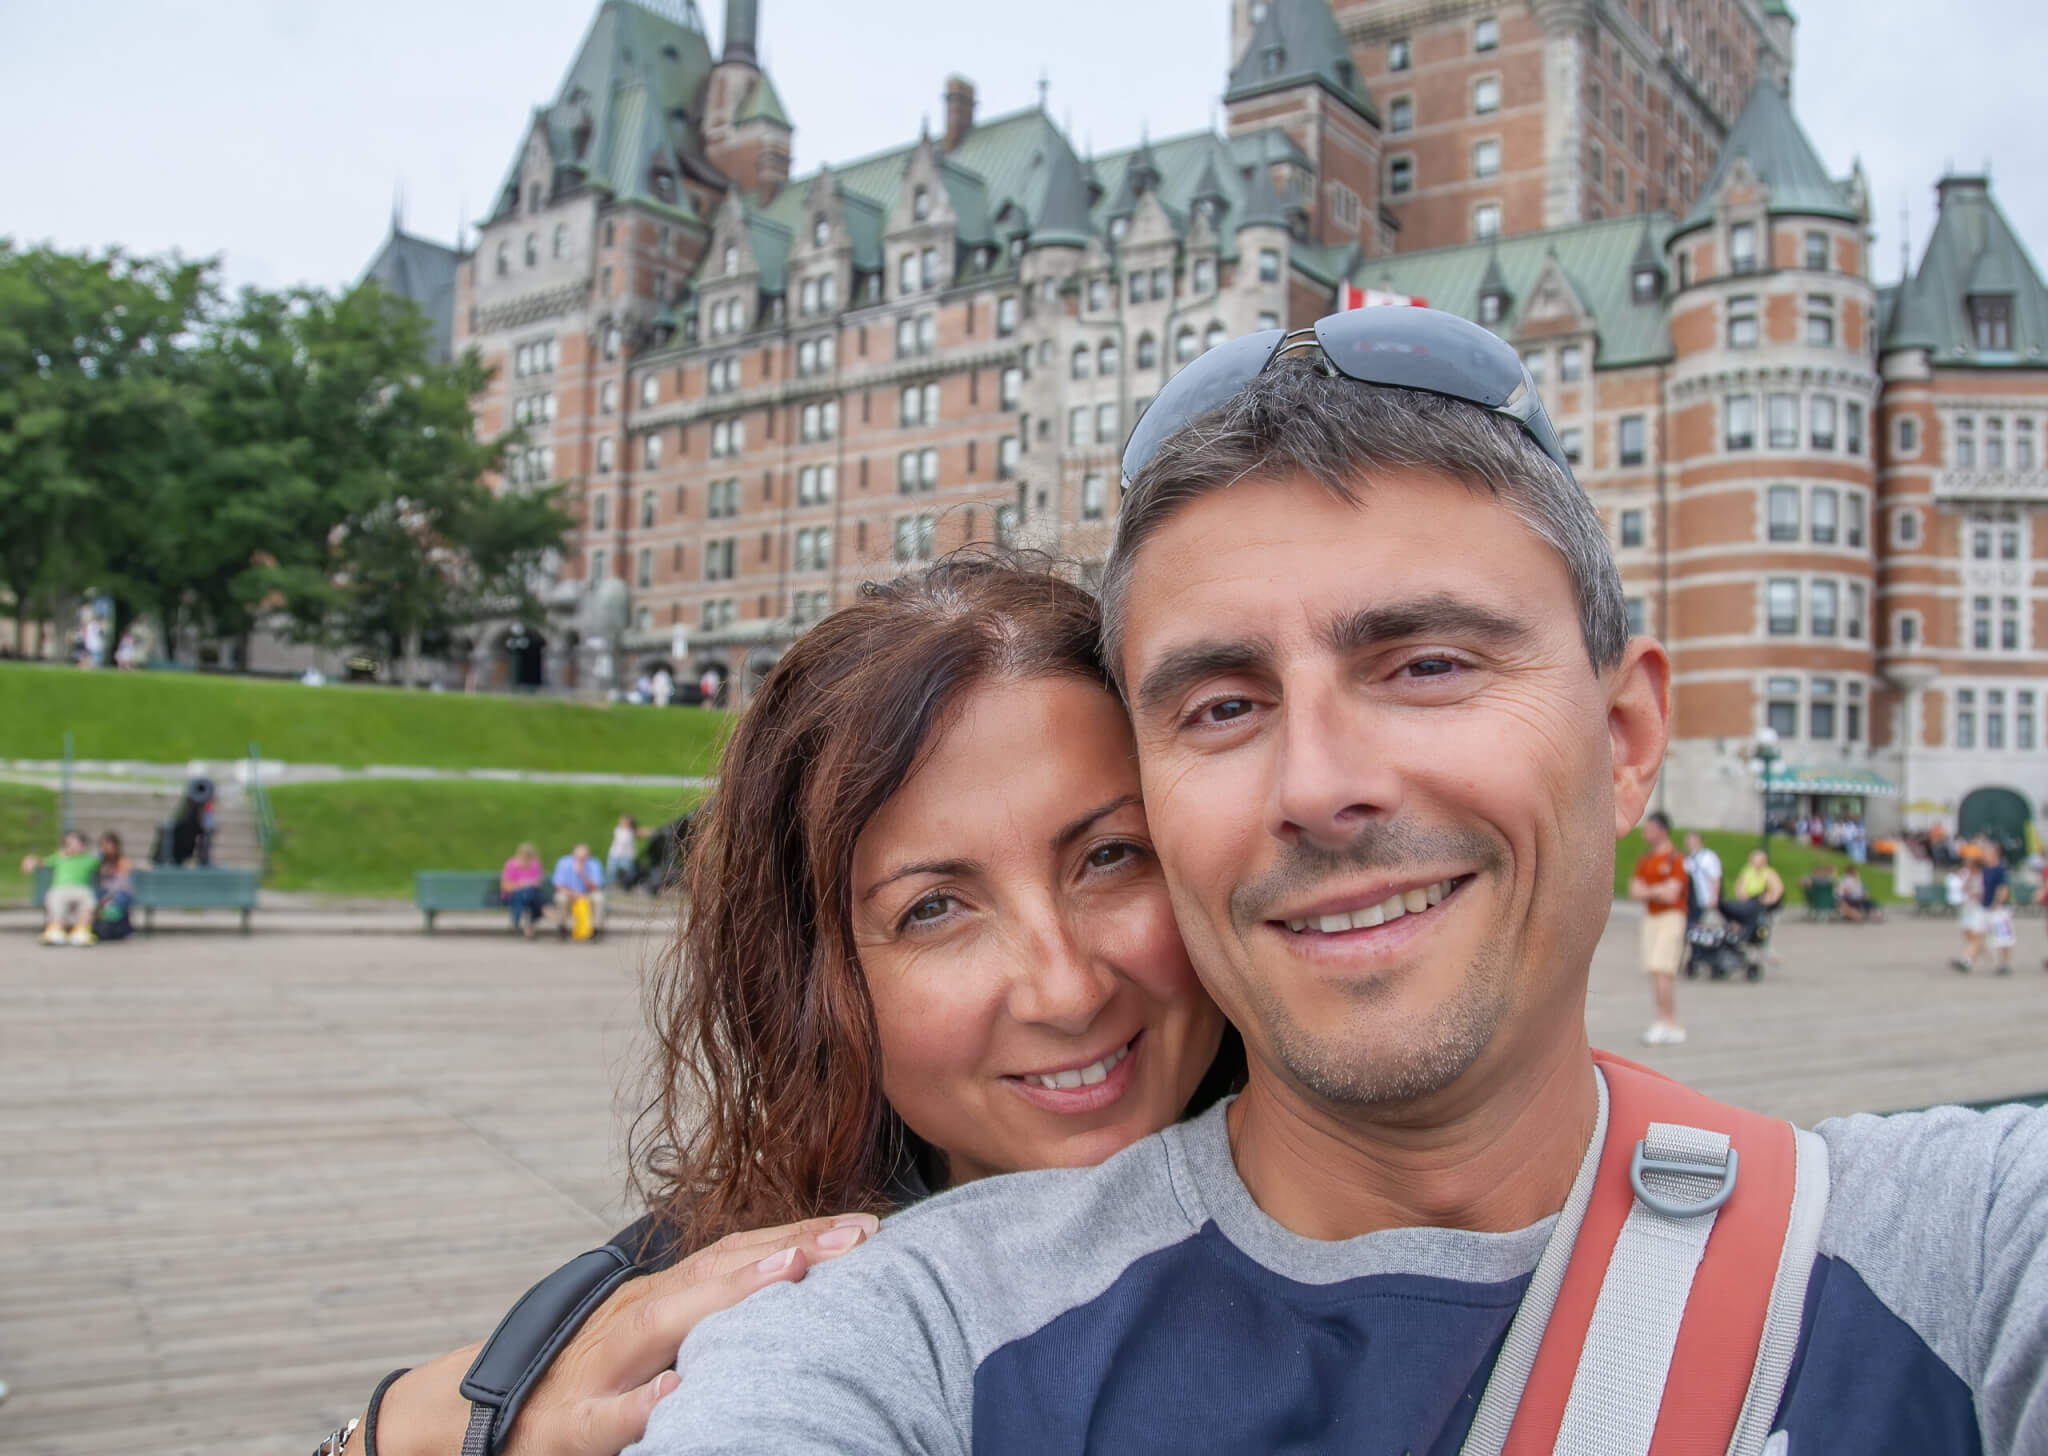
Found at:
(1373, 644)
(578, 877)
(1659, 882)
(1703, 871)
(73, 895)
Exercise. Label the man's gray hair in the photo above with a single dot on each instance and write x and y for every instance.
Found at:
(1296, 419)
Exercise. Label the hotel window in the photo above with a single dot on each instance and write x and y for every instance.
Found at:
(1994, 718)
(1816, 252)
(1098, 294)
(1269, 259)
(1108, 359)
(604, 456)
(1105, 424)
(920, 203)
(650, 453)
(1852, 622)
(1620, 189)
(1907, 436)
(1994, 442)
(1820, 711)
(1400, 179)
(1573, 442)
(1138, 293)
(1784, 422)
(1268, 319)
(1162, 283)
(1185, 344)
(644, 573)
(1571, 363)
(1632, 528)
(1485, 95)
(1742, 321)
(1852, 534)
(1093, 497)
(1006, 315)
(1533, 361)
(1485, 158)
(1012, 387)
(2023, 720)
(2023, 443)
(1966, 718)
(1852, 426)
(906, 273)
(1991, 321)
(1742, 248)
(1820, 321)
(906, 473)
(1906, 629)
(601, 512)
(1852, 713)
(928, 267)
(1148, 352)
(1781, 709)
(1082, 363)
(1486, 220)
(1205, 269)
(1820, 416)
(1980, 623)
(1784, 513)
(1781, 596)
(2009, 624)
(1077, 425)
(1739, 412)
(1822, 599)
(1632, 435)
(1398, 54)
(1965, 446)
(1980, 543)
(1400, 114)
(1485, 33)
(1007, 450)
(1638, 616)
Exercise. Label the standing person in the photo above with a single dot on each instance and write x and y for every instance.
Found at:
(73, 892)
(622, 859)
(1659, 882)
(707, 688)
(111, 917)
(1997, 898)
(664, 686)
(578, 877)
(1983, 883)
(1703, 880)
(519, 885)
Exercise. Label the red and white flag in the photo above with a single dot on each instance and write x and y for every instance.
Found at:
(1350, 295)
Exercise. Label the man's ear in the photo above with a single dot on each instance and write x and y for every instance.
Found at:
(1638, 726)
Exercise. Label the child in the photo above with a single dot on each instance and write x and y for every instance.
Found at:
(74, 891)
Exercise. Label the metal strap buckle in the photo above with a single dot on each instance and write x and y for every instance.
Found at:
(1643, 1163)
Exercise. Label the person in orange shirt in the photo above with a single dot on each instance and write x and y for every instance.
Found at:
(1659, 881)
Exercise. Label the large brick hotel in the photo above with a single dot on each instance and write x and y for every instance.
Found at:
(765, 385)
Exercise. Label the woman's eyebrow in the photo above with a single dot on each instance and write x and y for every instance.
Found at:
(1087, 821)
(942, 867)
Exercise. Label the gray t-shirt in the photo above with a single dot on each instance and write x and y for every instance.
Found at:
(1149, 1305)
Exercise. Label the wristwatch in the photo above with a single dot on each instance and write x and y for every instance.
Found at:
(335, 1444)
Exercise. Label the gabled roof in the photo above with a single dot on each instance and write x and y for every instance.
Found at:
(1263, 206)
(1063, 217)
(623, 107)
(1770, 139)
(1296, 43)
(423, 271)
(1974, 250)
(762, 104)
(1188, 168)
(1594, 258)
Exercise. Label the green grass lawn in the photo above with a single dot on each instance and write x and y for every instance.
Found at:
(368, 838)
(1789, 859)
(28, 825)
(171, 717)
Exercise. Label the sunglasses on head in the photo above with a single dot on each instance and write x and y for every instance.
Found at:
(1405, 348)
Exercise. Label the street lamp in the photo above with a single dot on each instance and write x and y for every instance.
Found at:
(1766, 758)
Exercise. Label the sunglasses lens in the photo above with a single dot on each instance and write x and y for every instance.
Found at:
(1416, 348)
(1206, 384)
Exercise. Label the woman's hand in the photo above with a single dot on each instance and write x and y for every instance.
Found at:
(595, 1397)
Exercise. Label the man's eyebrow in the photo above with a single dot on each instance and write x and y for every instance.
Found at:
(1184, 666)
(1085, 822)
(1437, 615)
(942, 867)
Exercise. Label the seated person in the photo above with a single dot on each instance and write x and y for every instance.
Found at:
(622, 859)
(74, 890)
(111, 917)
(1852, 901)
(519, 885)
(578, 876)
(1756, 892)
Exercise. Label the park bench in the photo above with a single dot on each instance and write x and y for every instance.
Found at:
(1931, 900)
(437, 890)
(202, 887)
(1819, 898)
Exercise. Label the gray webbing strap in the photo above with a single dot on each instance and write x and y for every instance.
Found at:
(476, 1441)
(1788, 1296)
(1496, 1413)
(1681, 1176)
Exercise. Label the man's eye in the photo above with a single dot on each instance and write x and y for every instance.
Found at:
(1431, 667)
(1224, 709)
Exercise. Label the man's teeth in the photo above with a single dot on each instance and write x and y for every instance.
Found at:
(1391, 908)
(1081, 1076)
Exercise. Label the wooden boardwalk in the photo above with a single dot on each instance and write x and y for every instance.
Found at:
(242, 1178)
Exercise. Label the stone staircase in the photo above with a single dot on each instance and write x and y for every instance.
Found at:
(134, 812)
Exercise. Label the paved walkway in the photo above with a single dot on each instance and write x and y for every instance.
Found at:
(104, 775)
(241, 1178)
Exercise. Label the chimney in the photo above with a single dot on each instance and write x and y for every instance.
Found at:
(959, 110)
(742, 26)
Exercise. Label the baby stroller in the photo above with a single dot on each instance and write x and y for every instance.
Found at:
(1719, 947)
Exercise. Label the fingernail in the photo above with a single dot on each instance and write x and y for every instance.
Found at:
(775, 1263)
(844, 1237)
(662, 1386)
(857, 1220)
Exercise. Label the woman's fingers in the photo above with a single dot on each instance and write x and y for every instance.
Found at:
(737, 1250)
(609, 1425)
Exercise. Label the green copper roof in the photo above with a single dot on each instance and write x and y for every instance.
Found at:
(423, 271)
(763, 104)
(1298, 42)
(1779, 7)
(1190, 168)
(1770, 138)
(1595, 258)
(1063, 220)
(1973, 251)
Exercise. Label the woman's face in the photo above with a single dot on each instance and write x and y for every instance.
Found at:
(1035, 1004)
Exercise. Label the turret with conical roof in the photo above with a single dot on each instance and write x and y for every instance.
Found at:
(1062, 220)
(1976, 298)
(1769, 147)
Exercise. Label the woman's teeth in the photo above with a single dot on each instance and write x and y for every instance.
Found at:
(1391, 908)
(1081, 1076)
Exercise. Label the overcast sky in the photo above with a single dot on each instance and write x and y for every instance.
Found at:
(275, 132)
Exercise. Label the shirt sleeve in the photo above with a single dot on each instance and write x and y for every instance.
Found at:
(862, 1356)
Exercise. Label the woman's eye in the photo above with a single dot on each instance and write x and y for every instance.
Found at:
(1106, 856)
(925, 911)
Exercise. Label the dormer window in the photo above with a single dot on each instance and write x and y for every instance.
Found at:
(1118, 226)
(731, 259)
(920, 204)
(821, 232)
(665, 186)
(1271, 60)
(1742, 248)
(1991, 321)
(1491, 306)
(533, 197)
(1646, 285)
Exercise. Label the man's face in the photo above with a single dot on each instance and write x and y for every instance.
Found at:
(1382, 776)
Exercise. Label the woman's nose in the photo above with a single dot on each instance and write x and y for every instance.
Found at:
(1060, 982)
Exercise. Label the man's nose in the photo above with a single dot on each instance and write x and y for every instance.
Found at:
(1328, 779)
(1060, 980)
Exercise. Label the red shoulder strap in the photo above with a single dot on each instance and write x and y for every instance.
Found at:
(1724, 1318)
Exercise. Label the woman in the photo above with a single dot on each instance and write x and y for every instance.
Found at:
(111, 917)
(520, 887)
(928, 942)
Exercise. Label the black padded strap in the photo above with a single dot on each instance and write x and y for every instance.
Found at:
(519, 1351)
